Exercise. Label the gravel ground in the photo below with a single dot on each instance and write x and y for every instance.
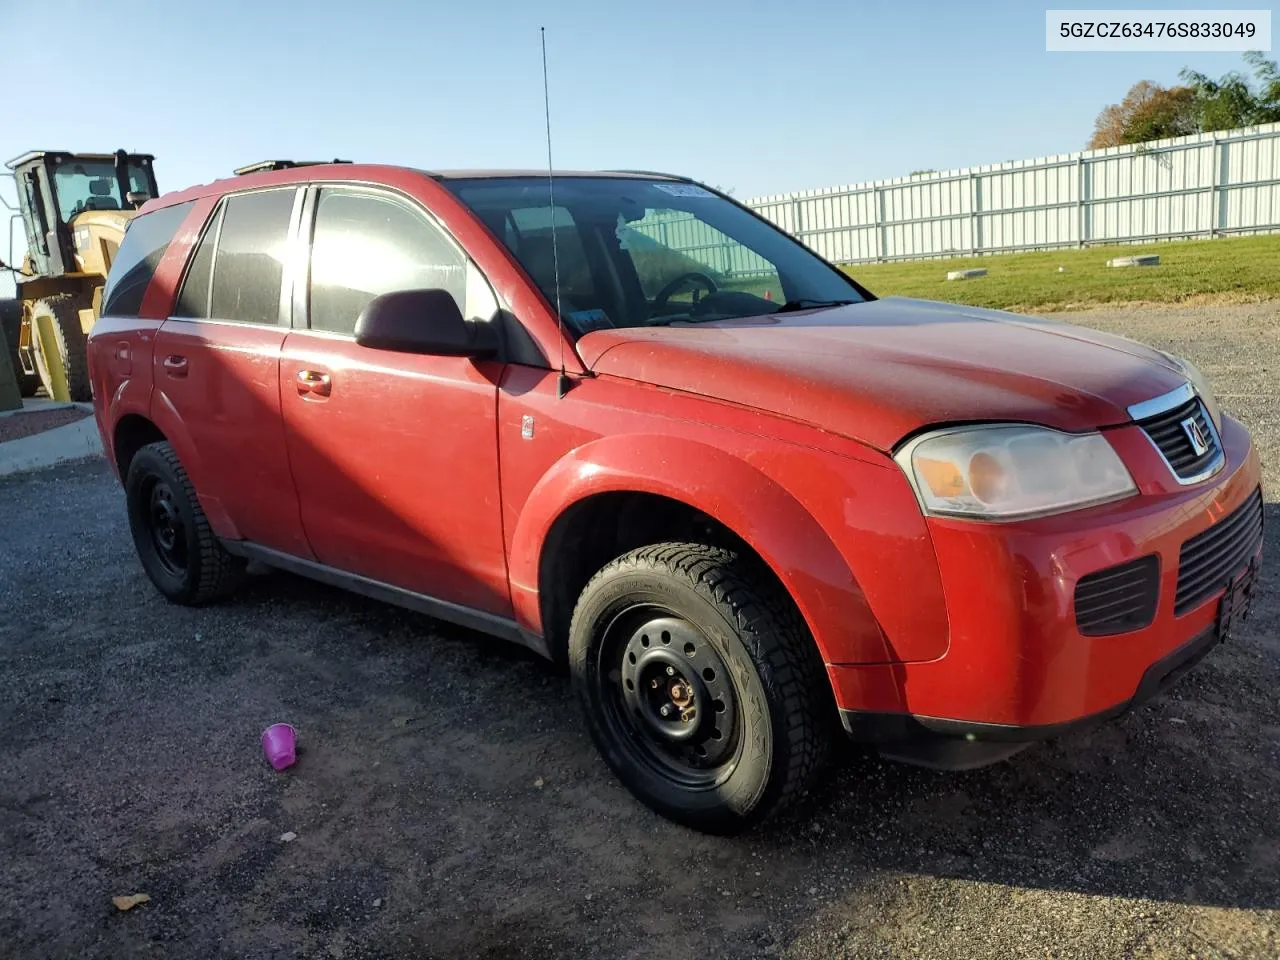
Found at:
(447, 802)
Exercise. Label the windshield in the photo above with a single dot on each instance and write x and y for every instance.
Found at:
(638, 252)
(91, 185)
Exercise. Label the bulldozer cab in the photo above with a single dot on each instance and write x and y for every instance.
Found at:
(75, 208)
(55, 187)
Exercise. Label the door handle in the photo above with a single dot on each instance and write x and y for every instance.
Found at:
(175, 365)
(314, 382)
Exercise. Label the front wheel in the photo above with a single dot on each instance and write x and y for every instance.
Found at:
(702, 688)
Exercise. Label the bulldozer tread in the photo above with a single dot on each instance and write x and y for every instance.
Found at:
(65, 308)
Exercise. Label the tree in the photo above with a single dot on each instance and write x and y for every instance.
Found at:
(1232, 101)
(1152, 112)
(1147, 112)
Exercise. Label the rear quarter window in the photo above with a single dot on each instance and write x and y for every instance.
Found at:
(147, 238)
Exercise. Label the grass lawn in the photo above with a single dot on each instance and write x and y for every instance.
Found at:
(1232, 270)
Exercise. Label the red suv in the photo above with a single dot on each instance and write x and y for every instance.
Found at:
(622, 420)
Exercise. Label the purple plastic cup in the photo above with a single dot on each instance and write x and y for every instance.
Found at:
(279, 743)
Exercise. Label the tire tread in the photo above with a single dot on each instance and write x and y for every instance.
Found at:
(65, 310)
(776, 637)
(218, 572)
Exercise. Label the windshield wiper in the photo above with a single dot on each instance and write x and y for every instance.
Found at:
(806, 303)
(685, 318)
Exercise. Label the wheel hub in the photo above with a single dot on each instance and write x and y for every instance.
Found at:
(166, 528)
(677, 687)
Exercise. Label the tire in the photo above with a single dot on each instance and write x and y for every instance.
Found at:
(178, 551)
(728, 645)
(11, 325)
(61, 314)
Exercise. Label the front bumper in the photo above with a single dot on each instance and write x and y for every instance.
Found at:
(963, 744)
(1016, 668)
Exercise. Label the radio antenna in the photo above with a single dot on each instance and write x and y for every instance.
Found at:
(562, 382)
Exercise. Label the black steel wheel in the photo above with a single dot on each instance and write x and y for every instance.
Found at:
(670, 697)
(177, 548)
(702, 688)
(164, 522)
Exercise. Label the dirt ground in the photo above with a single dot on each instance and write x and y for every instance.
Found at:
(447, 803)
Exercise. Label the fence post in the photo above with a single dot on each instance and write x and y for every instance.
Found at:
(1215, 196)
(975, 215)
(797, 221)
(1081, 211)
(882, 245)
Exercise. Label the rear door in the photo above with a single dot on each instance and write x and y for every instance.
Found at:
(217, 367)
(394, 455)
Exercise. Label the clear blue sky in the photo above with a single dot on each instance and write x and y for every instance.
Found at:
(761, 97)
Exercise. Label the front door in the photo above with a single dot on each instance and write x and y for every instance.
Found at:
(217, 368)
(394, 455)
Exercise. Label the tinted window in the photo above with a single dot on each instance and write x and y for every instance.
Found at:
(249, 264)
(193, 298)
(144, 244)
(365, 245)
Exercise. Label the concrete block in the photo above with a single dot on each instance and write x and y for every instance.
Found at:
(1146, 260)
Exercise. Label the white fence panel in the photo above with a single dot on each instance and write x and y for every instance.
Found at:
(1205, 185)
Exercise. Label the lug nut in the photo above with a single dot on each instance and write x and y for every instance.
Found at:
(666, 710)
(656, 683)
(671, 671)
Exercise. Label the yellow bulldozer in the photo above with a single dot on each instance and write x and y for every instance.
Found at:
(74, 209)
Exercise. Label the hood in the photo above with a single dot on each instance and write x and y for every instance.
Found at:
(880, 370)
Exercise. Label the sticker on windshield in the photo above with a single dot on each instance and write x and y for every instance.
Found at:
(684, 190)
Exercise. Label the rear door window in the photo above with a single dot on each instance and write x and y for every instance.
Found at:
(238, 265)
(147, 238)
(248, 266)
(193, 298)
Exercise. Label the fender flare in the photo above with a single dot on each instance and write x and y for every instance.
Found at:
(760, 511)
(124, 403)
(169, 421)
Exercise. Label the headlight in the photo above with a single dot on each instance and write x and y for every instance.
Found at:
(1004, 471)
(1202, 387)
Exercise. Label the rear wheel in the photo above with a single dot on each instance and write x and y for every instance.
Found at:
(702, 688)
(179, 552)
(59, 346)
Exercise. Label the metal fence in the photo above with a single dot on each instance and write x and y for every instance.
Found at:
(1207, 185)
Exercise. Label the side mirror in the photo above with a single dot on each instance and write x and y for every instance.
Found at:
(423, 321)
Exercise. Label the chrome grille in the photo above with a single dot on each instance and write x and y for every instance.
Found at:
(1187, 439)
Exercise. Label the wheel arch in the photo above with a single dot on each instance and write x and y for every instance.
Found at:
(164, 414)
(132, 432)
(617, 487)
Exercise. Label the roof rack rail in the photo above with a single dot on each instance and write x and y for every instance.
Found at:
(653, 173)
(265, 165)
